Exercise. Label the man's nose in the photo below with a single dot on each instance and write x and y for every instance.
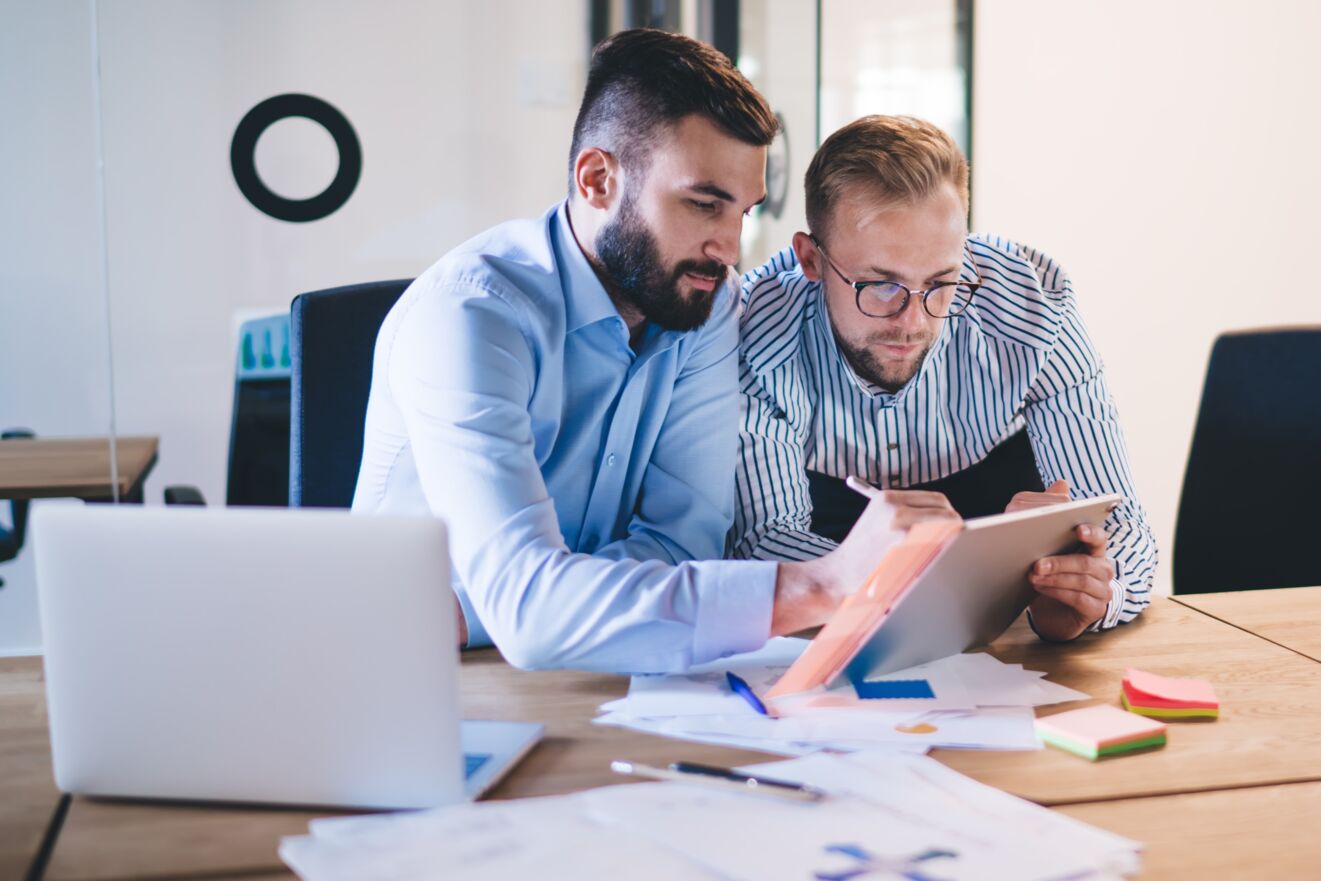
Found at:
(724, 246)
(914, 317)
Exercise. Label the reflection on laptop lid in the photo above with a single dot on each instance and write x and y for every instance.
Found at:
(290, 656)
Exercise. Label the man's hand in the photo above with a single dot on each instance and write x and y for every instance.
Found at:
(912, 506)
(1073, 590)
(1056, 493)
(807, 593)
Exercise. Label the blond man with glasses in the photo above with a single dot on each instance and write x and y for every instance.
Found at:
(952, 370)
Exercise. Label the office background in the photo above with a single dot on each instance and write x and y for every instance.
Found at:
(1161, 151)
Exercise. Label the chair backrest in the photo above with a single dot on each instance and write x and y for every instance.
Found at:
(259, 434)
(1248, 515)
(333, 339)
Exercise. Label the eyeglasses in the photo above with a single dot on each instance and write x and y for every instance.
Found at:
(886, 299)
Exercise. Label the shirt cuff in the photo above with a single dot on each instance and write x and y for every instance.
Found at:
(1112, 610)
(477, 635)
(734, 606)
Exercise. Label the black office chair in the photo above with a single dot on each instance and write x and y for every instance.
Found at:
(332, 343)
(1248, 513)
(258, 467)
(11, 539)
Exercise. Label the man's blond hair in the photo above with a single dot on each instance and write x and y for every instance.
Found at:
(895, 160)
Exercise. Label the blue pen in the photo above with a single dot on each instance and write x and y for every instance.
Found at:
(743, 690)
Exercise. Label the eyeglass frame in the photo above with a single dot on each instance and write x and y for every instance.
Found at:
(909, 293)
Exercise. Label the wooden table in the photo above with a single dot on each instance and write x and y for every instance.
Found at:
(1268, 739)
(28, 797)
(1259, 832)
(43, 468)
(1269, 730)
(1290, 617)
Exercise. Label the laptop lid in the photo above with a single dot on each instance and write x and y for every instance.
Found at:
(293, 656)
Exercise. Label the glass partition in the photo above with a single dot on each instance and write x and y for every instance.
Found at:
(54, 360)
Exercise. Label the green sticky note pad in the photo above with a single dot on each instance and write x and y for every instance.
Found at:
(1092, 752)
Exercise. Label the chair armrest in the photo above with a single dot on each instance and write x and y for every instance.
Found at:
(183, 495)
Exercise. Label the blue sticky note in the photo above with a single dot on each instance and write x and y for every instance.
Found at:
(894, 689)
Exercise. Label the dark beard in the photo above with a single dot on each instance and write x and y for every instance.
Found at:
(865, 363)
(630, 259)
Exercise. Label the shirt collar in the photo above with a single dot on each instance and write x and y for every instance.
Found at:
(585, 299)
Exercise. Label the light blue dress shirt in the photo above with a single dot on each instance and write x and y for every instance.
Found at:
(587, 487)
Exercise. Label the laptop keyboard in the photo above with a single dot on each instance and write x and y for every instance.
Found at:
(473, 761)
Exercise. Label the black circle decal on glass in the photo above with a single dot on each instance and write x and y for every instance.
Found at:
(243, 150)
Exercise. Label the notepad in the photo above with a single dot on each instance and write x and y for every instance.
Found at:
(1166, 697)
(1102, 730)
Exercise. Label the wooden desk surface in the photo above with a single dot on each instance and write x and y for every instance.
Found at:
(1262, 832)
(1270, 733)
(1289, 616)
(28, 796)
(1269, 730)
(44, 468)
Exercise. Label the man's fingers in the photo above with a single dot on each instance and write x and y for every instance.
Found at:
(913, 506)
(1055, 494)
(1089, 607)
(1100, 568)
(1073, 583)
(906, 517)
(1025, 501)
(917, 498)
(1094, 538)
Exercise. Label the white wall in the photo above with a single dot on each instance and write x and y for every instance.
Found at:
(464, 112)
(777, 53)
(1166, 154)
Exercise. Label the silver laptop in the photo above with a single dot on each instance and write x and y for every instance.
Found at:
(297, 657)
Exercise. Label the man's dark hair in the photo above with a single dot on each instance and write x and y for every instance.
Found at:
(642, 80)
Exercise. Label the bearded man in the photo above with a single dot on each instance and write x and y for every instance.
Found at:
(949, 369)
(563, 392)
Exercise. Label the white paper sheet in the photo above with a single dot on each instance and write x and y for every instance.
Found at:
(922, 787)
(886, 814)
(546, 839)
(980, 703)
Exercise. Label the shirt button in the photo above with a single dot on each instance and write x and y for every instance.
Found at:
(892, 446)
(610, 460)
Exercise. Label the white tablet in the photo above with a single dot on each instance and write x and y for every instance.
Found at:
(975, 588)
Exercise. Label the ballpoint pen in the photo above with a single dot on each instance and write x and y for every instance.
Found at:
(743, 690)
(723, 778)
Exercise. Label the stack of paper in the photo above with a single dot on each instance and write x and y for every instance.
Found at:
(1167, 698)
(1101, 730)
(969, 701)
(886, 816)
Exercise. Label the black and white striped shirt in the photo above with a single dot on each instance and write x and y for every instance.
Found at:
(1019, 358)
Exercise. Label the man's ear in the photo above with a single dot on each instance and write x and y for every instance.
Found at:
(597, 178)
(809, 256)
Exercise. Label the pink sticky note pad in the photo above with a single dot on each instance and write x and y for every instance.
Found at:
(1170, 691)
(1101, 725)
